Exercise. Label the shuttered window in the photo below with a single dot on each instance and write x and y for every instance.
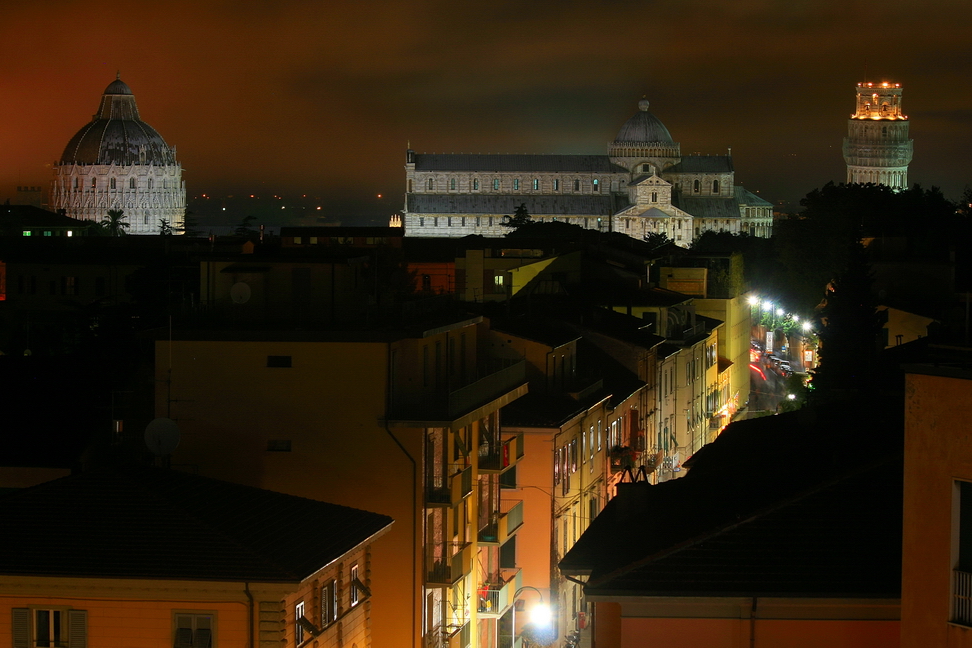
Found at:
(49, 628)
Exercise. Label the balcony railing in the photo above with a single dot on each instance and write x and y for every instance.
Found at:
(447, 563)
(448, 637)
(451, 489)
(505, 456)
(496, 597)
(962, 597)
(500, 526)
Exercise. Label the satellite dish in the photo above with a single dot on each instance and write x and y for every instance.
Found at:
(162, 436)
(240, 292)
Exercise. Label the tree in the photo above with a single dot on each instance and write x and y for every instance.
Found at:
(113, 223)
(165, 229)
(244, 229)
(190, 226)
(519, 218)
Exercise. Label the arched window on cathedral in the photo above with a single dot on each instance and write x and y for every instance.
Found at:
(94, 183)
(576, 185)
(111, 183)
(75, 183)
(476, 185)
(715, 186)
(516, 184)
(556, 184)
(536, 184)
(646, 168)
(884, 131)
(597, 185)
(654, 196)
(431, 184)
(495, 184)
(409, 186)
(131, 183)
(452, 184)
(696, 186)
(150, 184)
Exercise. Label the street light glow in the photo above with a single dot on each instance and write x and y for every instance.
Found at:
(779, 312)
(807, 326)
(540, 615)
(753, 300)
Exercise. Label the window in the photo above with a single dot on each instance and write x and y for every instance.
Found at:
(421, 221)
(715, 186)
(646, 168)
(281, 361)
(435, 221)
(536, 184)
(76, 183)
(598, 435)
(431, 184)
(696, 186)
(556, 185)
(516, 184)
(452, 184)
(576, 185)
(26, 232)
(654, 196)
(49, 628)
(597, 185)
(354, 592)
(298, 627)
(573, 456)
(150, 184)
(495, 184)
(329, 603)
(131, 183)
(476, 185)
(192, 630)
(449, 221)
(111, 183)
(94, 183)
(962, 543)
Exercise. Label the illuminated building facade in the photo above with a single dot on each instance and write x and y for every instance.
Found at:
(118, 162)
(877, 148)
(644, 185)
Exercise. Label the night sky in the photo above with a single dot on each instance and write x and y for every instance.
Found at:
(322, 98)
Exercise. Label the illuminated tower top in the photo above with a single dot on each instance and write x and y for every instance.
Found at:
(879, 101)
(877, 148)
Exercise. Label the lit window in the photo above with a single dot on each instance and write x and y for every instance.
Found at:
(355, 593)
(556, 185)
(516, 184)
(26, 232)
(475, 185)
(452, 184)
(329, 603)
(94, 183)
(597, 185)
(536, 184)
(498, 280)
(298, 627)
(495, 184)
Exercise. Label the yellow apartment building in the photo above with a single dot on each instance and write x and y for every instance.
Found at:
(155, 558)
(401, 420)
(936, 565)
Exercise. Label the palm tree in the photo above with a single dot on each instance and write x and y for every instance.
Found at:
(113, 223)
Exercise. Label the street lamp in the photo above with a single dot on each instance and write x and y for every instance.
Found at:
(540, 616)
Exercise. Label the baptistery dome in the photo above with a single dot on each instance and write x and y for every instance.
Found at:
(118, 162)
(117, 135)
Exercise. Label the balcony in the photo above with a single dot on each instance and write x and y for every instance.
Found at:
(450, 490)
(502, 526)
(507, 454)
(435, 409)
(448, 636)
(496, 597)
(447, 563)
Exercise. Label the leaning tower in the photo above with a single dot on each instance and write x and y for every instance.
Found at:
(877, 148)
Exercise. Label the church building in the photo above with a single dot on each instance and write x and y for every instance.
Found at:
(118, 162)
(643, 186)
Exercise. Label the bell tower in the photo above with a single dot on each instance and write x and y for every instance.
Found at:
(877, 148)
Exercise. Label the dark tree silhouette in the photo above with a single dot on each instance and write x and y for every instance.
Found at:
(113, 223)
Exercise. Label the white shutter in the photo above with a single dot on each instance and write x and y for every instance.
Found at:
(20, 628)
(78, 628)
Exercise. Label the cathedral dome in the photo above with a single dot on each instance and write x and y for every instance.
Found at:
(644, 127)
(116, 135)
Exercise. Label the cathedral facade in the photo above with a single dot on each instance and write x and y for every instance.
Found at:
(877, 148)
(643, 186)
(118, 162)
